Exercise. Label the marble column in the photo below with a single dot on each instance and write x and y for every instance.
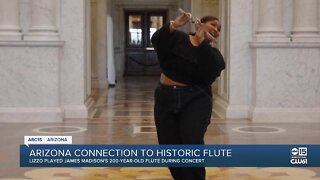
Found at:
(269, 24)
(110, 53)
(93, 29)
(305, 21)
(99, 48)
(9, 20)
(44, 21)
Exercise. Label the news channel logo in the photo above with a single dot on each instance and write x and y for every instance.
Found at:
(299, 155)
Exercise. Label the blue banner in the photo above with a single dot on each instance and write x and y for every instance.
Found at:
(170, 155)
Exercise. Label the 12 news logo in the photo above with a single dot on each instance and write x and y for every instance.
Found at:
(299, 155)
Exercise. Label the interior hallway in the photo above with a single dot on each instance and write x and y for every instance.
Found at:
(124, 115)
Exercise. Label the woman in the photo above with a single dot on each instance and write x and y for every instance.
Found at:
(183, 99)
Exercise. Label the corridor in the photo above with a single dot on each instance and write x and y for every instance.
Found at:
(124, 115)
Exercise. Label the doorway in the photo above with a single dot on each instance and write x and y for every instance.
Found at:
(140, 56)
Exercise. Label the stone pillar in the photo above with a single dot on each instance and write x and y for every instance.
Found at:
(99, 54)
(93, 29)
(269, 24)
(110, 53)
(44, 21)
(305, 21)
(9, 20)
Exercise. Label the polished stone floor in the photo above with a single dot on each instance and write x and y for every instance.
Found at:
(124, 115)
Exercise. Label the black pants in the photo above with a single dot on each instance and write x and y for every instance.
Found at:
(182, 115)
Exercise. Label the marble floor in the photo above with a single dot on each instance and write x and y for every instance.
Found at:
(124, 115)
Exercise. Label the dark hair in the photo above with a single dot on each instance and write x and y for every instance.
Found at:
(210, 18)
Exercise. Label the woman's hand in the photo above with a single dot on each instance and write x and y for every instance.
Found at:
(202, 34)
(180, 20)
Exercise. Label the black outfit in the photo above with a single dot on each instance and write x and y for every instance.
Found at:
(182, 113)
